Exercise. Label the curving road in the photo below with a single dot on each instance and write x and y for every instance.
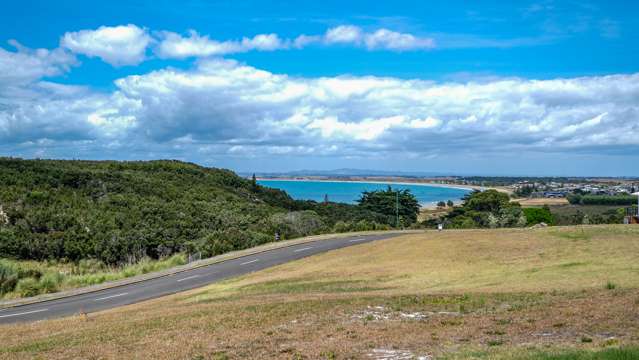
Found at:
(186, 280)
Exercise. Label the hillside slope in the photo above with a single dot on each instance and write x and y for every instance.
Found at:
(457, 294)
(121, 212)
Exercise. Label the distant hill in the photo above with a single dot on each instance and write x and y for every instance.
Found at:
(119, 212)
(347, 172)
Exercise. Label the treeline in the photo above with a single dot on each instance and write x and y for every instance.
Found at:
(491, 209)
(579, 199)
(509, 180)
(122, 212)
(589, 216)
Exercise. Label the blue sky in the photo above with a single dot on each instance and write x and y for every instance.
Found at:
(485, 87)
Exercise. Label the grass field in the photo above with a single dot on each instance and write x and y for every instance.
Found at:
(525, 202)
(550, 293)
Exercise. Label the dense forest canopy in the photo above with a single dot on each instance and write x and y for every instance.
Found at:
(120, 212)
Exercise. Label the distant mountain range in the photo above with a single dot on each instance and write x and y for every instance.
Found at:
(350, 172)
(345, 172)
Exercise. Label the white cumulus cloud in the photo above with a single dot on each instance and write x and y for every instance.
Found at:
(174, 45)
(343, 34)
(225, 107)
(26, 65)
(381, 39)
(391, 40)
(116, 45)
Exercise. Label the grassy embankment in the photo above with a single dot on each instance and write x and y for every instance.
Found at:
(42, 277)
(551, 293)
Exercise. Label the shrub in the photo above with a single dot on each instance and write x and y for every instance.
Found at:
(341, 227)
(577, 199)
(296, 223)
(28, 287)
(608, 200)
(538, 215)
(88, 266)
(50, 282)
(9, 276)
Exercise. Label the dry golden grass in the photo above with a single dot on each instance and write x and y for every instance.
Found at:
(485, 294)
(500, 260)
(541, 201)
(427, 213)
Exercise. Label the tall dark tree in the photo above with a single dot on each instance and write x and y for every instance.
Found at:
(253, 183)
(488, 208)
(392, 203)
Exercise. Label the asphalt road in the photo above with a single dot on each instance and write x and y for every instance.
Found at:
(186, 280)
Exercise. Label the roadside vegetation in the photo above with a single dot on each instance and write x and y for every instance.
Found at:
(547, 293)
(30, 278)
(125, 218)
(492, 209)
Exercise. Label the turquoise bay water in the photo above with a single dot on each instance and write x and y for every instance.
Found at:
(350, 192)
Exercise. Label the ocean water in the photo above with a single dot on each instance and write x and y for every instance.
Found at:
(350, 192)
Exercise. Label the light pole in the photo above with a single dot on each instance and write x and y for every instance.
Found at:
(397, 207)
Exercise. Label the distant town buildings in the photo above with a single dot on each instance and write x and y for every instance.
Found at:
(561, 189)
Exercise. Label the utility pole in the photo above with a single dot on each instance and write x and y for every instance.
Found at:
(397, 207)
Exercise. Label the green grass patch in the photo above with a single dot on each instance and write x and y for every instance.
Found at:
(623, 353)
(573, 235)
(572, 264)
(298, 286)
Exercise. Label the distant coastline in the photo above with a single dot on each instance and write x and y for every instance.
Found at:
(389, 181)
(432, 205)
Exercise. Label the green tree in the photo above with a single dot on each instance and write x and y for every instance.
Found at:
(489, 200)
(538, 215)
(489, 208)
(391, 203)
(253, 183)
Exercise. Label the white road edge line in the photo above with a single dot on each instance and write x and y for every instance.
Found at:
(356, 240)
(250, 262)
(188, 277)
(110, 297)
(23, 313)
(302, 249)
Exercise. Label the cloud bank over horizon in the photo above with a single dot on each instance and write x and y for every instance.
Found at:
(224, 108)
